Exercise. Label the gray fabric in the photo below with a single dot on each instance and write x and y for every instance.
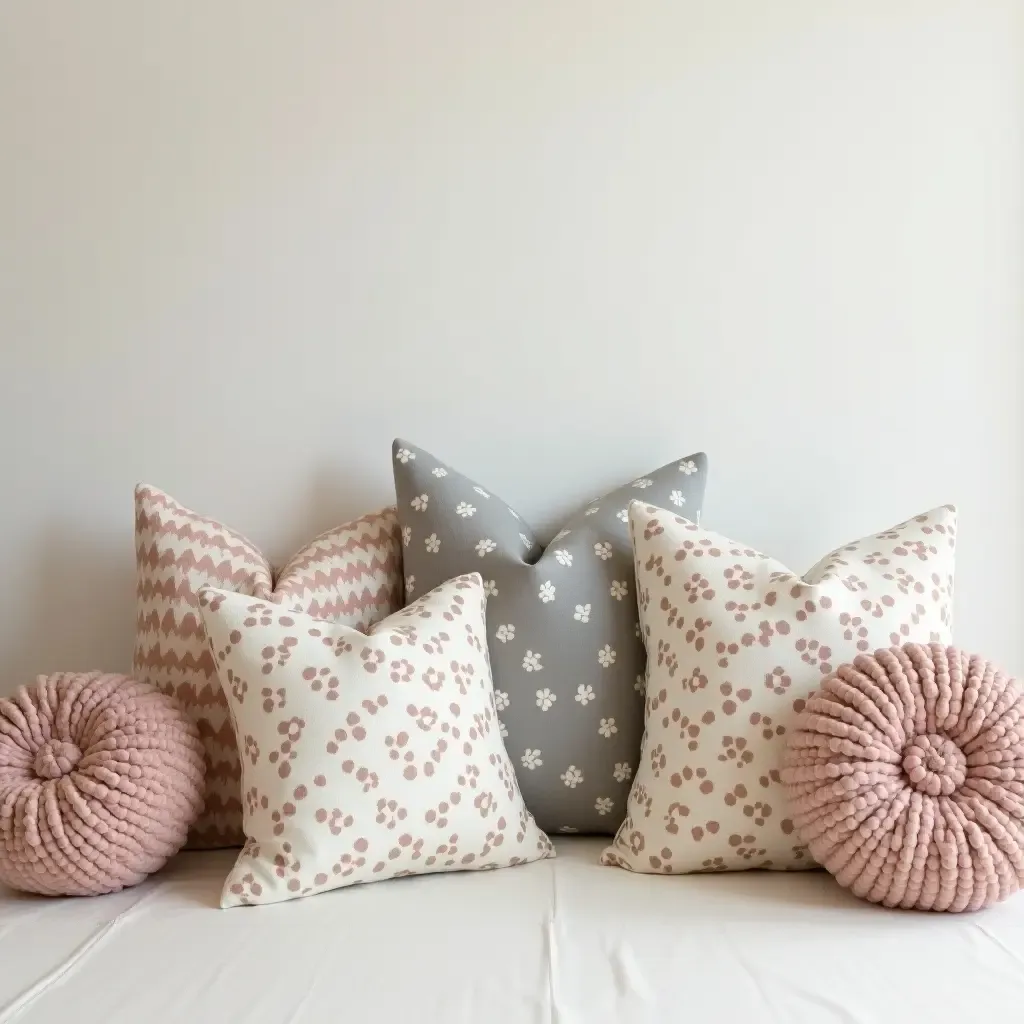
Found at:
(568, 624)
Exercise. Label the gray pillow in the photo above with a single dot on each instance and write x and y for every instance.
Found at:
(562, 626)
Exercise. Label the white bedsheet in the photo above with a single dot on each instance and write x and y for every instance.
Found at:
(563, 941)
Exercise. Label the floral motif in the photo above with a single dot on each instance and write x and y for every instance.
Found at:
(603, 550)
(485, 546)
(432, 544)
(582, 613)
(545, 698)
(688, 466)
(420, 502)
(677, 498)
(500, 700)
(606, 656)
(607, 728)
(622, 771)
(465, 510)
(531, 759)
(439, 471)
(604, 804)
(572, 776)
(531, 662)
(546, 592)
(490, 588)
(563, 557)
(505, 633)
(619, 589)
(404, 455)
(584, 694)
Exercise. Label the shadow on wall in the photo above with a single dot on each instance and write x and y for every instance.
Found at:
(77, 609)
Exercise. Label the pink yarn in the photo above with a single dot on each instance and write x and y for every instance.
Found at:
(100, 778)
(905, 774)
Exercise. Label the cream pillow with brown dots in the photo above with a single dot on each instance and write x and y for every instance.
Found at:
(736, 643)
(366, 757)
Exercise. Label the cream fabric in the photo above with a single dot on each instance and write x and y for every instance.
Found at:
(366, 757)
(560, 940)
(736, 643)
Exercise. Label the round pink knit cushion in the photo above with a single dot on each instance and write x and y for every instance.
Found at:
(905, 776)
(100, 778)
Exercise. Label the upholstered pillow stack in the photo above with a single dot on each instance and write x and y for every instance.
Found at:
(351, 574)
(737, 644)
(563, 629)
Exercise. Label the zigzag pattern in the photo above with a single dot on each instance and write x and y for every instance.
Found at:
(352, 574)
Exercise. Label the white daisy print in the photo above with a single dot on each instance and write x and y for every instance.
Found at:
(562, 557)
(603, 550)
(676, 497)
(640, 684)
(527, 543)
(420, 502)
(619, 589)
(622, 515)
(485, 546)
(584, 694)
(606, 656)
(506, 633)
(687, 466)
(406, 535)
(572, 776)
(433, 544)
(622, 771)
(501, 701)
(531, 663)
(604, 804)
(593, 511)
(410, 585)
(545, 698)
(481, 492)
(643, 482)
(531, 758)
(404, 455)
(582, 613)
(491, 589)
(546, 592)
(607, 728)
(561, 535)
(439, 471)
(465, 510)
(503, 729)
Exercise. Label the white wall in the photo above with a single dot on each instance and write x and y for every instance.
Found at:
(560, 242)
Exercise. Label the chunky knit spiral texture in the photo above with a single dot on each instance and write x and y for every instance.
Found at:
(100, 778)
(905, 774)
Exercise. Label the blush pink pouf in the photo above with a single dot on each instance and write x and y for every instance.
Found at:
(100, 778)
(905, 776)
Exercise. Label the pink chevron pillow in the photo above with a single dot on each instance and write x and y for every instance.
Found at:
(351, 575)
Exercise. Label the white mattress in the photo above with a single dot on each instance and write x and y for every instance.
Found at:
(562, 941)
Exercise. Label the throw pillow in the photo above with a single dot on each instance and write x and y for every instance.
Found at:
(737, 643)
(905, 777)
(351, 574)
(366, 757)
(564, 637)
